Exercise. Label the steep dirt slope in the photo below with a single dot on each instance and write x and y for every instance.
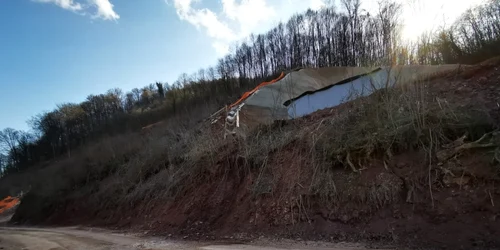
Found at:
(363, 171)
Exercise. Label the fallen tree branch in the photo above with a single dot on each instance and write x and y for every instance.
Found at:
(448, 153)
(456, 143)
(430, 168)
(497, 155)
(491, 198)
(349, 162)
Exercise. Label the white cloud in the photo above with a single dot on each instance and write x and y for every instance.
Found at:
(103, 8)
(317, 4)
(220, 47)
(238, 18)
(65, 4)
(248, 14)
(204, 18)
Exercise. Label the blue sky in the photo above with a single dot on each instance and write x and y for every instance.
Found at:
(57, 51)
(49, 55)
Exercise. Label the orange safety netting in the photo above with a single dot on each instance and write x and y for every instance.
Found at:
(247, 94)
(8, 203)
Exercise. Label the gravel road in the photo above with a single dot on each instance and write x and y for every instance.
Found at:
(91, 239)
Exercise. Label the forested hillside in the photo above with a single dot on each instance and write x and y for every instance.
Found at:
(343, 35)
(417, 165)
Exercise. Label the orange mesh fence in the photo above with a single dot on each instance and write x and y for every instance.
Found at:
(8, 203)
(249, 93)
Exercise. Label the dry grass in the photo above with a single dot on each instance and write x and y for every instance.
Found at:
(129, 170)
(387, 123)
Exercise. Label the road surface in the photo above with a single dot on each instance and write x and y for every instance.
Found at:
(88, 239)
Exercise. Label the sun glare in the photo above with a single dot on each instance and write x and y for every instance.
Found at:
(421, 16)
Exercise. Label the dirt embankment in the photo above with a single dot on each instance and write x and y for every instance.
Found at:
(332, 176)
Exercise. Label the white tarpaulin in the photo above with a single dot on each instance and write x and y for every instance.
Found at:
(302, 92)
(334, 95)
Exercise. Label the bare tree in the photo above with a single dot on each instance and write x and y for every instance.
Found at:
(3, 164)
(8, 141)
(322, 38)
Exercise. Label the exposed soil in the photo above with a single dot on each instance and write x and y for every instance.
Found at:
(239, 200)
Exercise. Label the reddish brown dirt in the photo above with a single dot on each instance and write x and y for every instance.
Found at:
(462, 215)
(375, 206)
(475, 85)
